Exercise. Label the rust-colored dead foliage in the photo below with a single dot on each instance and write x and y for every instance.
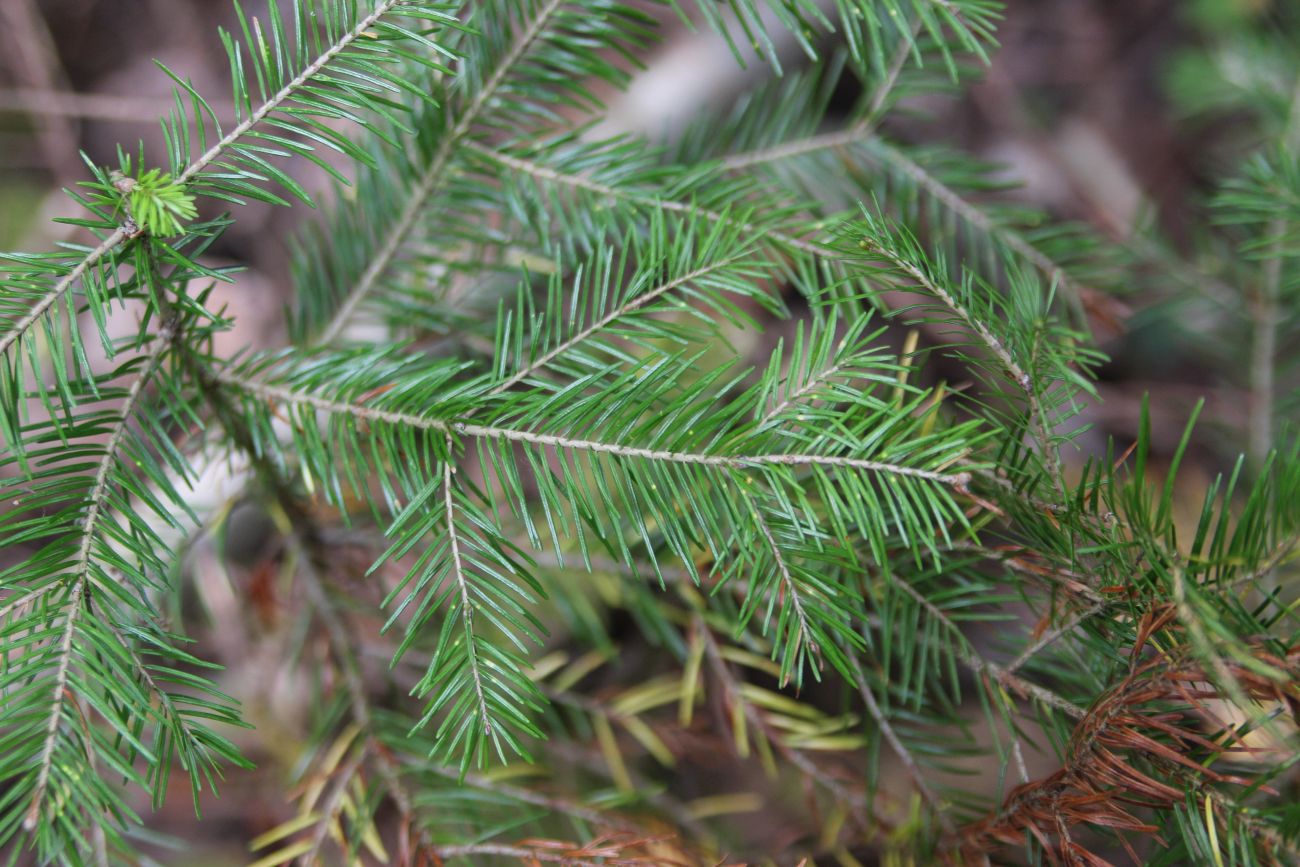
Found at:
(1138, 749)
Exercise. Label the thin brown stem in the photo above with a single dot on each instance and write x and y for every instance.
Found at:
(981, 666)
(562, 806)
(896, 744)
(92, 106)
(809, 768)
(1049, 638)
(604, 857)
(329, 810)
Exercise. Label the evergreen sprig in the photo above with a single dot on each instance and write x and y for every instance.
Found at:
(570, 444)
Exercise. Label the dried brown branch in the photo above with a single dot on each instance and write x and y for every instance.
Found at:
(1141, 746)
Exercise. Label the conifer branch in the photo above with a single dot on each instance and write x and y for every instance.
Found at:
(434, 175)
(645, 198)
(807, 490)
(804, 635)
(301, 535)
(931, 286)
(18, 602)
(886, 85)
(1053, 635)
(78, 579)
(1076, 584)
(263, 390)
(124, 233)
(466, 604)
(888, 156)
(891, 156)
(789, 150)
(981, 666)
(1126, 730)
(863, 141)
(292, 87)
(793, 398)
(899, 749)
(60, 288)
(631, 305)
(1017, 373)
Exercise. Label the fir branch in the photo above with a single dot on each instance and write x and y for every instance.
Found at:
(1053, 635)
(893, 158)
(931, 286)
(288, 91)
(958, 481)
(466, 614)
(615, 314)
(79, 580)
(881, 92)
(1040, 420)
(900, 749)
(435, 174)
(194, 169)
(1127, 726)
(1023, 562)
(91, 259)
(981, 666)
(1270, 561)
(804, 634)
(793, 398)
(791, 149)
(865, 142)
(302, 534)
(579, 182)
(829, 490)
(647, 198)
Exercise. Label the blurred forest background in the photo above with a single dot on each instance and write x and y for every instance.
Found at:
(1101, 110)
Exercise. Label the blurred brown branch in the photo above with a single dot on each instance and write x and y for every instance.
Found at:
(96, 106)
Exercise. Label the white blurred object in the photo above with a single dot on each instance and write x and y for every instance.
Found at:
(1104, 176)
(696, 73)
